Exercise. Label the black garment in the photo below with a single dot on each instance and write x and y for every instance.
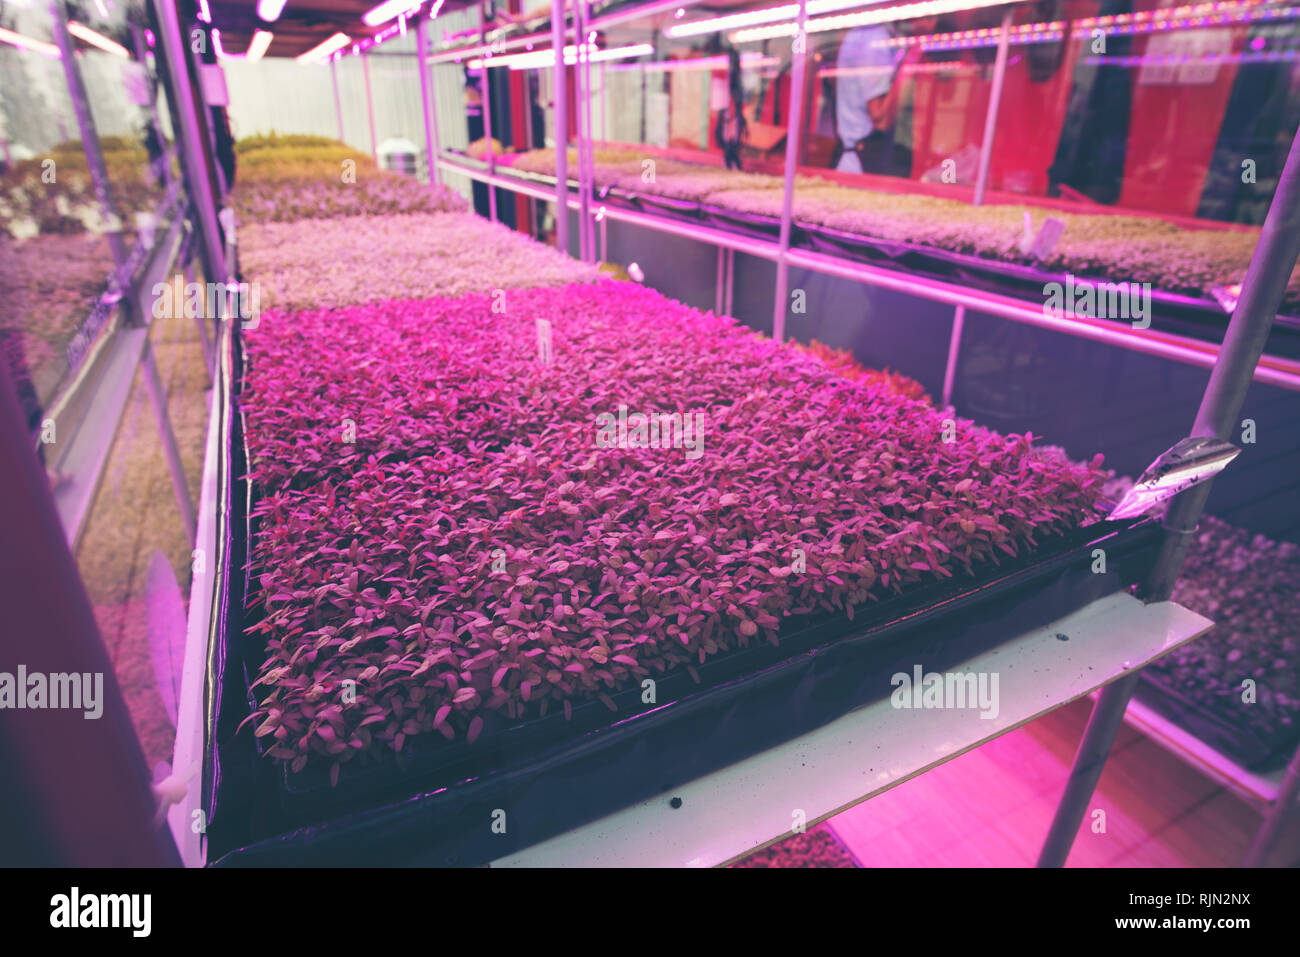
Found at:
(730, 131)
(225, 144)
(1259, 123)
(878, 153)
(1094, 137)
(12, 357)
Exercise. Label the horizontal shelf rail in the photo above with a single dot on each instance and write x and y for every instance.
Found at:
(1272, 370)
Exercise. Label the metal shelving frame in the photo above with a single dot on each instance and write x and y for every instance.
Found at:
(50, 765)
(1234, 364)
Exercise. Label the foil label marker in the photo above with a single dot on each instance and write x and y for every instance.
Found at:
(1189, 462)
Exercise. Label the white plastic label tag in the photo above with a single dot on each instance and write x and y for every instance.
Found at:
(544, 342)
(1040, 246)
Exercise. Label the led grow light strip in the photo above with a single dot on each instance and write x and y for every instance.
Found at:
(204, 13)
(321, 50)
(1195, 59)
(388, 10)
(27, 43)
(1204, 14)
(751, 18)
(887, 69)
(87, 35)
(270, 10)
(843, 21)
(1177, 18)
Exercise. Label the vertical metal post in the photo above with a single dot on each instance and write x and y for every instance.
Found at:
(1243, 344)
(86, 126)
(954, 348)
(995, 101)
(141, 56)
(793, 127)
(731, 280)
(198, 166)
(559, 95)
(171, 452)
(981, 184)
(580, 139)
(722, 280)
(370, 105)
(604, 105)
(588, 140)
(202, 323)
(485, 81)
(218, 171)
(1098, 737)
(431, 146)
(338, 101)
(532, 82)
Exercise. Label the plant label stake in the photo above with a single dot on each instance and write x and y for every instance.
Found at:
(1040, 246)
(544, 342)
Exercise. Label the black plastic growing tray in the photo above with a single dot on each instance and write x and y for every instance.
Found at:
(1192, 316)
(748, 224)
(551, 775)
(683, 209)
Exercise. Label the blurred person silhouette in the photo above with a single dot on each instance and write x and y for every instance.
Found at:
(873, 108)
(731, 128)
(865, 68)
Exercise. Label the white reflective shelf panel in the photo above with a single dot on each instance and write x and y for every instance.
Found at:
(742, 807)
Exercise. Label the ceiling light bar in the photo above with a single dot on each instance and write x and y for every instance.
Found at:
(87, 35)
(501, 46)
(1195, 59)
(642, 11)
(733, 21)
(619, 53)
(256, 47)
(388, 10)
(748, 61)
(27, 43)
(321, 50)
(525, 61)
(843, 21)
(270, 10)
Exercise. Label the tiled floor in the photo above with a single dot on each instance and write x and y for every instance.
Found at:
(992, 807)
